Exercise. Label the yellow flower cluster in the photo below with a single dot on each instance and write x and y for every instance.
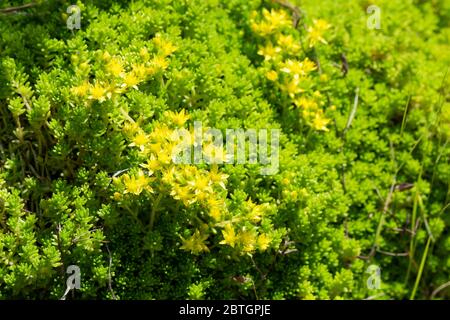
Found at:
(186, 183)
(312, 109)
(195, 243)
(137, 183)
(316, 32)
(117, 76)
(293, 76)
(291, 193)
(247, 237)
(198, 188)
(273, 21)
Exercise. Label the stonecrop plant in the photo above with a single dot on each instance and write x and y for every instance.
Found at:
(292, 75)
(95, 119)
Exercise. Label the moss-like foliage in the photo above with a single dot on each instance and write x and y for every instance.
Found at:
(90, 117)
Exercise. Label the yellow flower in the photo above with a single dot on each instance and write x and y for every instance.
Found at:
(98, 92)
(195, 243)
(229, 236)
(117, 196)
(130, 80)
(200, 184)
(215, 213)
(272, 75)
(288, 43)
(217, 208)
(140, 71)
(201, 196)
(81, 90)
(277, 18)
(160, 63)
(319, 122)
(151, 70)
(178, 119)
(161, 133)
(137, 184)
(315, 33)
(321, 24)
(130, 128)
(308, 65)
(167, 48)
(306, 103)
(143, 180)
(165, 157)
(152, 164)
(269, 51)
(168, 175)
(213, 202)
(183, 194)
(217, 177)
(298, 68)
(114, 67)
(189, 172)
(263, 28)
(292, 87)
(157, 40)
(255, 212)
(155, 147)
(263, 241)
(247, 240)
(140, 140)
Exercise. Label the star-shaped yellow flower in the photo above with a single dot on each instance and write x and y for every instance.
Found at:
(229, 236)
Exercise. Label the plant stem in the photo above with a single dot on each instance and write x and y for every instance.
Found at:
(422, 264)
(154, 208)
(411, 242)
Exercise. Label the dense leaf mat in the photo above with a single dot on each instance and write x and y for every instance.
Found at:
(86, 124)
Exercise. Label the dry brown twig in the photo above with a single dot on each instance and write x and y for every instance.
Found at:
(109, 274)
(393, 254)
(18, 8)
(439, 289)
